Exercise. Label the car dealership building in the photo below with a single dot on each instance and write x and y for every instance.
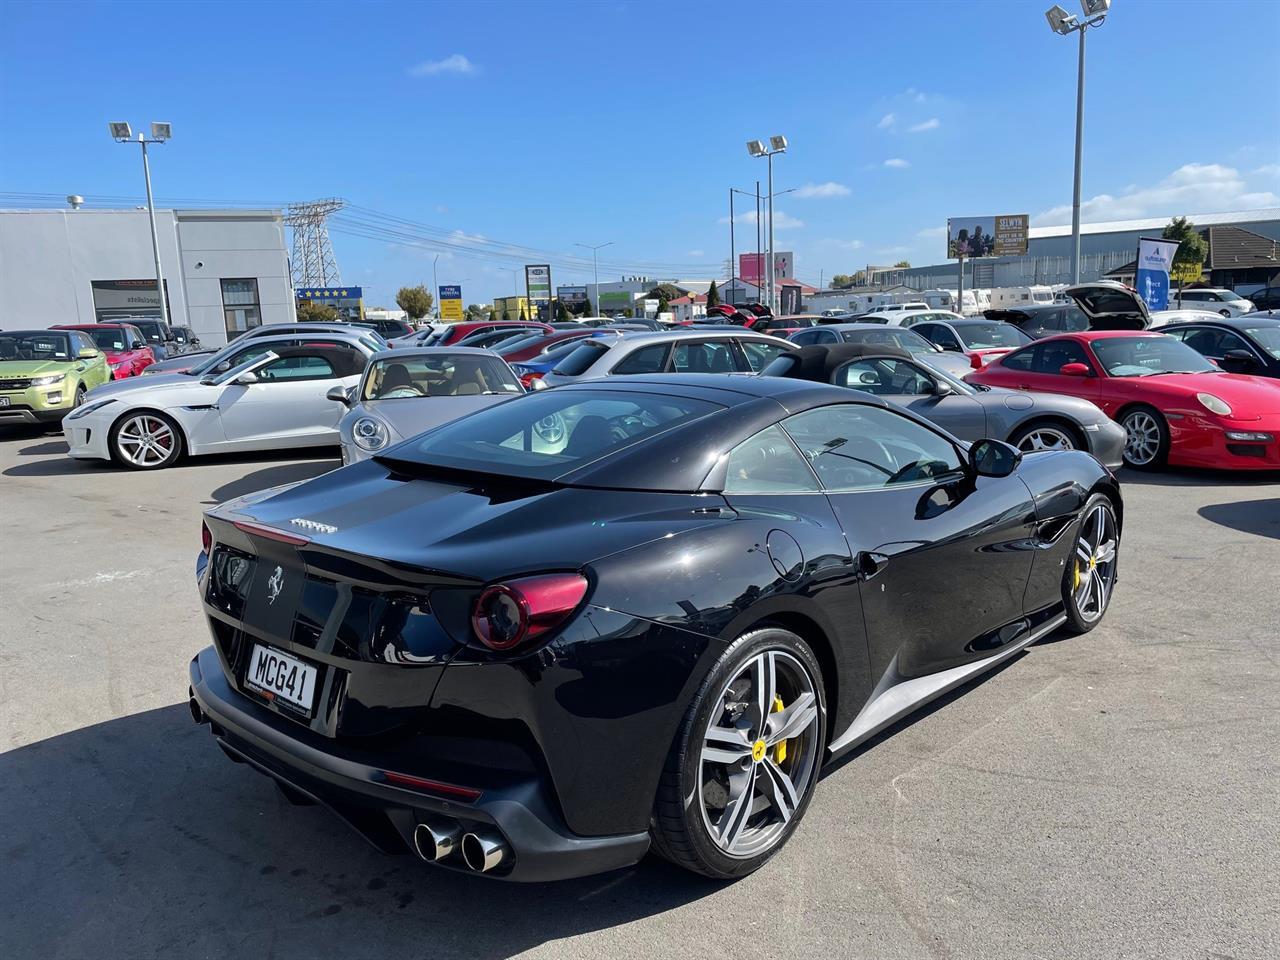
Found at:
(224, 270)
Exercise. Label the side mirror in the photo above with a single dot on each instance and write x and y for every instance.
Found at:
(195, 341)
(1074, 369)
(88, 354)
(247, 378)
(942, 389)
(338, 394)
(993, 458)
(1238, 361)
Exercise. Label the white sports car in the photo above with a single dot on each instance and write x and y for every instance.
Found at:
(276, 400)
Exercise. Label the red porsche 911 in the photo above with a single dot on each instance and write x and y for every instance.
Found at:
(1176, 406)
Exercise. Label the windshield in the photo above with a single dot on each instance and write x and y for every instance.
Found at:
(908, 340)
(580, 358)
(151, 329)
(546, 435)
(1145, 356)
(108, 339)
(1268, 338)
(980, 336)
(441, 375)
(35, 345)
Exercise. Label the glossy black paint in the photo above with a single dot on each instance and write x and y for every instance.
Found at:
(1230, 343)
(572, 732)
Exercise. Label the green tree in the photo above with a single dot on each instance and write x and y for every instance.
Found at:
(309, 311)
(1188, 262)
(902, 265)
(415, 301)
(562, 312)
(713, 296)
(506, 316)
(842, 281)
(523, 315)
(493, 313)
(587, 309)
(475, 311)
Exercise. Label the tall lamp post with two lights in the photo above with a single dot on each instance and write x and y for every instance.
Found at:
(757, 148)
(160, 133)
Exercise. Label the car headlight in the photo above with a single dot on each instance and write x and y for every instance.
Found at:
(369, 434)
(46, 381)
(87, 409)
(1214, 404)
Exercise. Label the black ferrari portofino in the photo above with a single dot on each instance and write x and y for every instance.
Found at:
(635, 612)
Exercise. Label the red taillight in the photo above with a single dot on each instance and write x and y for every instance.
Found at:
(271, 533)
(527, 378)
(975, 361)
(507, 614)
(206, 537)
(431, 786)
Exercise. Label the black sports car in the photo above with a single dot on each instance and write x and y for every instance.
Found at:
(640, 611)
(1244, 344)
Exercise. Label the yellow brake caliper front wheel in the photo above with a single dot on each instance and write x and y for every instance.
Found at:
(780, 751)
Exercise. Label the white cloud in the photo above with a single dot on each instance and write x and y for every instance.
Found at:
(454, 63)
(1268, 170)
(932, 233)
(696, 253)
(897, 163)
(822, 191)
(1192, 188)
(461, 236)
(781, 220)
(933, 123)
(887, 121)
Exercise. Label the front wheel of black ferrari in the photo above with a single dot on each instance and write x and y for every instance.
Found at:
(745, 762)
(1091, 572)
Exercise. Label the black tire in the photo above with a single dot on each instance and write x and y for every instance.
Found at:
(1061, 427)
(122, 424)
(680, 830)
(79, 398)
(1225, 313)
(1083, 618)
(1134, 420)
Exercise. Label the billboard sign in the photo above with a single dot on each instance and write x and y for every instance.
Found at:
(571, 296)
(122, 298)
(1004, 235)
(450, 301)
(1155, 260)
(751, 266)
(537, 283)
(615, 301)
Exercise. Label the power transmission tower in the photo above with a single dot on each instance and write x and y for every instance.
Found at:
(314, 264)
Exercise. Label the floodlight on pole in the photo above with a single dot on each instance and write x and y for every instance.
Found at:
(160, 132)
(777, 144)
(1063, 24)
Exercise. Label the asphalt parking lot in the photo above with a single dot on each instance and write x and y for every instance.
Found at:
(1108, 796)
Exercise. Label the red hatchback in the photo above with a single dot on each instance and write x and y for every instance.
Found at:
(526, 348)
(454, 332)
(125, 346)
(1176, 406)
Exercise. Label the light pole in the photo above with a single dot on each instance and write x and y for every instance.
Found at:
(435, 284)
(748, 193)
(756, 148)
(1063, 23)
(160, 132)
(595, 273)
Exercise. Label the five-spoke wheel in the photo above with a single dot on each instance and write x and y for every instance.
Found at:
(1146, 438)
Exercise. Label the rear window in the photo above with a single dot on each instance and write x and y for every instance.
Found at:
(580, 358)
(979, 336)
(548, 434)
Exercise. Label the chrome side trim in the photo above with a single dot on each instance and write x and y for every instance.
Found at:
(900, 699)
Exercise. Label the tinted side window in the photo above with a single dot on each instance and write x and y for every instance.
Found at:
(759, 355)
(1074, 320)
(883, 377)
(768, 463)
(1052, 356)
(1018, 361)
(805, 337)
(940, 335)
(651, 359)
(580, 358)
(312, 367)
(712, 356)
(855, 447)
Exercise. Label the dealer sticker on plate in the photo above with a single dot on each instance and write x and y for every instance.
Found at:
(282, 678)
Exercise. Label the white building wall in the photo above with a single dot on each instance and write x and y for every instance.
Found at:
(50, 258)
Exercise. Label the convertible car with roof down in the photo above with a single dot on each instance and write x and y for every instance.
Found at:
(535, 641)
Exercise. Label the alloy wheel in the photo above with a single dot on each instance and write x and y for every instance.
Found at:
(759, 754)
(1095, 563)
(1142, 440)
(145, 440)
(1046, 438)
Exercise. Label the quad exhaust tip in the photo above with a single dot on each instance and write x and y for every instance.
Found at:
(482, 851)
(435, 841)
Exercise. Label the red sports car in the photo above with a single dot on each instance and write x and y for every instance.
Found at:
(125, 346)
(1176, 406)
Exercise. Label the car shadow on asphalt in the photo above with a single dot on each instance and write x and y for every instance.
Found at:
(273, 476)
(137, 837)
(1195, 477)
(48, 448)
(1248, 516)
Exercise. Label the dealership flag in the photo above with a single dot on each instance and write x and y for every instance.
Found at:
(1155, 258)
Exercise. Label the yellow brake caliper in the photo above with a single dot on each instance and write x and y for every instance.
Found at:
(780, 751)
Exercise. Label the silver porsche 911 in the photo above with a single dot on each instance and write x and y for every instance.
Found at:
(407, 392)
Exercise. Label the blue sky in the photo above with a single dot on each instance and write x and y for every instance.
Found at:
(500, 126)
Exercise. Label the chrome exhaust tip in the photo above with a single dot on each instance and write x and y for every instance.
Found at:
(196, 713)
(435, 841)
(482, 851)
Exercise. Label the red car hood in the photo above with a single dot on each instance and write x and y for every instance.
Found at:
(1248, 397)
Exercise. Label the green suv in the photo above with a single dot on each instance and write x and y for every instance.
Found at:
(44, 374)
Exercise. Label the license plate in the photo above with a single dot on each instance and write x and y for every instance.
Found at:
(4, 401)
(281, 678)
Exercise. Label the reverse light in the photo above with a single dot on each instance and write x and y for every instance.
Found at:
(1214, 404)
(507, 614)
(1250, 436)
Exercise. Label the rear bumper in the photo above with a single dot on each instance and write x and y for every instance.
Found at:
(353, 785)
(1107, 444)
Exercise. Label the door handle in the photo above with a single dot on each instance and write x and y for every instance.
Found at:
(869, 564)
(1024, 386)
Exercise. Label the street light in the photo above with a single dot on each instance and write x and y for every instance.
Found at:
(160, 132)
(435, 282)
(595, 273)
(1063, 24)
(777, 144)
